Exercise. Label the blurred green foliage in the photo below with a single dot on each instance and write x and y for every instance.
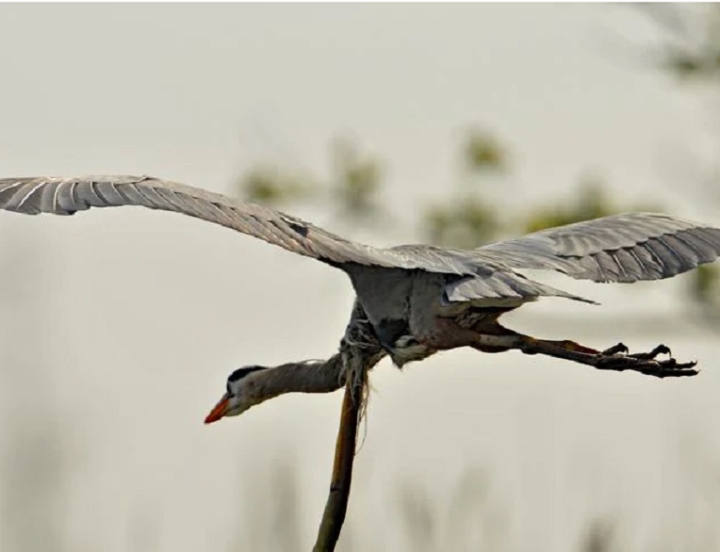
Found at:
(468, 218)
(483, 152)
(352, 188)
(591, 200)
(356, 178)
(270, 185)
(464, 222)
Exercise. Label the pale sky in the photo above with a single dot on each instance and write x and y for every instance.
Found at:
(144, 314)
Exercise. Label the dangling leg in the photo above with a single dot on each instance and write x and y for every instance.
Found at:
(492, 337)
(615, 358)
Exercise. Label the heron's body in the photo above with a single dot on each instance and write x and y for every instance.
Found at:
(412, 315)
(419, 299)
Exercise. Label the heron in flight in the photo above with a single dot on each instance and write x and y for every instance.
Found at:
(418, 299)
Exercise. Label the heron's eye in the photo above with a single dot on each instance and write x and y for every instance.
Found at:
(227, 388)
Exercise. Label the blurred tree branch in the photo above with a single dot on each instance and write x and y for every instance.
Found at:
(336, 506)
(361, 351)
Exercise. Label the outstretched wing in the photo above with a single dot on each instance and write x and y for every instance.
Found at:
(619, 248)
(65, 196)
(623, 248)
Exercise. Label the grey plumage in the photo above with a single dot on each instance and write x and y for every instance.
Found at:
(66, 196)
(394, 284)
(619, 248)
(629, 247)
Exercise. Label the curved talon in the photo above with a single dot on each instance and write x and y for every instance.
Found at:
(659, 350)
(662, 350)
(620, 348)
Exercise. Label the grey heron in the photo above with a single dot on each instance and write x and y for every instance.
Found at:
(419, 299)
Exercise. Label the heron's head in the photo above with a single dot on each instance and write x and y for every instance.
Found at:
(239, 395)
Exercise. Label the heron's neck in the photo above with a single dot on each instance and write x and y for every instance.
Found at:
(315, 376)
(295, 377)
(321, 376)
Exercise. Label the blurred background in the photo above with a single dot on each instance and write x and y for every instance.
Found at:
(454, 125)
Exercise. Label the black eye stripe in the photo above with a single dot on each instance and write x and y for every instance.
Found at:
(242, 372)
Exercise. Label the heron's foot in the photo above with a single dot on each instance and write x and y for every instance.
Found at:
(617, 358)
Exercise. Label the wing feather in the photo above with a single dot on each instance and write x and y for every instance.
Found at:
(619, 248)
(66, 196)
(502, 288)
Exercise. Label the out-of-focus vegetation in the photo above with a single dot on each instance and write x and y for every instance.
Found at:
(352, 188)
(475, 518)
(691, 49)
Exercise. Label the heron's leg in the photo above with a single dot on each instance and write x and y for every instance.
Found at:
(564, 344)
(614, 358)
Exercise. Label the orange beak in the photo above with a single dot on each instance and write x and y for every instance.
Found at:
(219, 411)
